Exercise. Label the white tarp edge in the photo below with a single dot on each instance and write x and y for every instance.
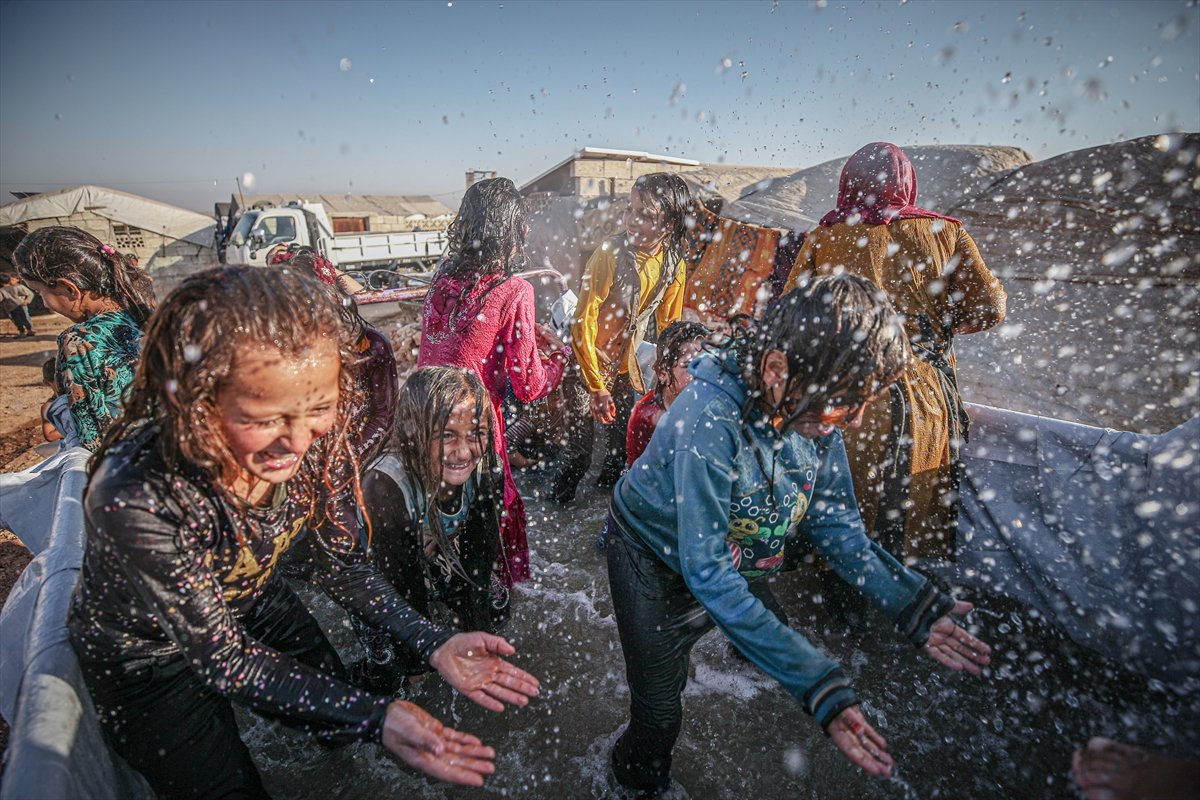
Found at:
(127, 209)
(56, 748)
(1097, 529)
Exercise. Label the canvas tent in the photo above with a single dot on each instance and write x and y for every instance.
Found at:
(165, 238)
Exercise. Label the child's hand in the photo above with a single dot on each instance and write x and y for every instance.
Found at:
(421, 741)
(951, 646)
(603, 408)
(860, 743)
(471, 663)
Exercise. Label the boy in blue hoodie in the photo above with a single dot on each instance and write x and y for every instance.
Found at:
(747, 457)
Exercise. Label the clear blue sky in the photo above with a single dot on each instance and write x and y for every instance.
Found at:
(172, 100)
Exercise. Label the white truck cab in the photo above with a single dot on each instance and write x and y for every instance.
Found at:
(307, 224)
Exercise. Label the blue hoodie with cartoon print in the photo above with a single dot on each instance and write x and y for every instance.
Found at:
(714, 498)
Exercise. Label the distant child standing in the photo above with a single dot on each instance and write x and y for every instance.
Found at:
(632, 288)
(14, 301)
(109, 300)
(680, 343)
(480, 316)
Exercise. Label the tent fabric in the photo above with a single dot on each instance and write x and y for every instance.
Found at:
(127, 209)
(56, 748)
(733, 266)
(1097, 529)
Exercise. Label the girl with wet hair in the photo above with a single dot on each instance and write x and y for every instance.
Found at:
(434, 498)
(748, 456)
(679, 344)
(237, 438)
(632, 289)
(480, 316)
(305, 257)
(108, 300)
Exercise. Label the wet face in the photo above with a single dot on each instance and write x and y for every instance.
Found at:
(677, 377)
(644, 223)
(458, 452)
(272, 408)
(815, 424)
(59, 298)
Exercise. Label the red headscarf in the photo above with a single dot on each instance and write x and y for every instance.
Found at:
(306, 257)
(878, 184)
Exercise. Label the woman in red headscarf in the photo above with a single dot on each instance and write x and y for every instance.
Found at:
(904, 458)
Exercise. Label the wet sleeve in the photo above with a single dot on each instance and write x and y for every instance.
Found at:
(157, 549)
(671, 308)
(94, 372)
(703, 494)
(641, 427)
(531, 378)
(597, 283)
(394, 538)
(375, 375)
(834, 527)
(350, 578)
(978, 298)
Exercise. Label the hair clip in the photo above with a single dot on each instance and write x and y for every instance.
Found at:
(107, 249)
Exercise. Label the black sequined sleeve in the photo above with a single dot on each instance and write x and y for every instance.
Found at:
(154, 550)
(345, 573)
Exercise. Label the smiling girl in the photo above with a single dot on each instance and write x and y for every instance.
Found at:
(108, 299)
(435, 497)
(236, 437)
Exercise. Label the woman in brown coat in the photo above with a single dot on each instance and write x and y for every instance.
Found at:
(904, 457)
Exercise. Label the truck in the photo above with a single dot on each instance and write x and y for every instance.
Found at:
(376, 260)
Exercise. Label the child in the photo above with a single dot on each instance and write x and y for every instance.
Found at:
(14, 301)
(632, 288)
(322, 268)
(480, 316)
(749, 451)
(236, 436)
(680, 343)
(50, 431)
(108, 299)
(435, 497)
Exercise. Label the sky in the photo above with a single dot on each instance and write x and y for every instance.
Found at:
(178, 101)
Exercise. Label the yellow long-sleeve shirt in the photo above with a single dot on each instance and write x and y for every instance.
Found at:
(598, 329)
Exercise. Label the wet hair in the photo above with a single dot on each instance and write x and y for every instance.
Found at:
(668, 194)
(191, 348)
(671, 343)
(59, 253)
(486, 240)
(50, 372)
(843, 342)
(426, 401)
(488, 233)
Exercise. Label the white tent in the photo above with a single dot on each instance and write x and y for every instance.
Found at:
(162, 236)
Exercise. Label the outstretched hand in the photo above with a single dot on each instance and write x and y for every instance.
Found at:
(471, 663)
(951, 646)
(421, 741)
(860, 743)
